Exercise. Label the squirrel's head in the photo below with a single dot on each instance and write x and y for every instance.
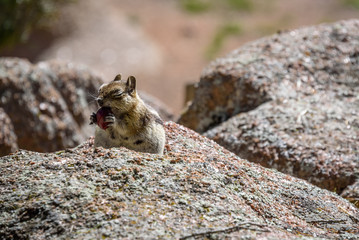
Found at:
(120, 95)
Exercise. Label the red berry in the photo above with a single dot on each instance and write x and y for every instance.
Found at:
(101, 115)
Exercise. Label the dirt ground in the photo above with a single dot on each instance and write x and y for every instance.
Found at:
(163, 45)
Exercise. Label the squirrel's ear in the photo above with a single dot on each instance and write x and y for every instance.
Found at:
(131, 83)
(117, 78)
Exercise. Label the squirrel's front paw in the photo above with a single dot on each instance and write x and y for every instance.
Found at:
(110, 120)
(93, 118)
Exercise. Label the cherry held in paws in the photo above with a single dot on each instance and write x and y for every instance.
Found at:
(101, 115)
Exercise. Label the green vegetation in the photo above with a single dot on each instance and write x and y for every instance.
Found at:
(18, 18)
(199, 6)
(228, 7)
(353, 3)
(195, 6)
(225, 31)
(240, 4)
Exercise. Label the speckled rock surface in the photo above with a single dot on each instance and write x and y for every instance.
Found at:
(315, 138)
(8, 139)
(196, 190)
(48, 103)
(289, 65)
(299, 96)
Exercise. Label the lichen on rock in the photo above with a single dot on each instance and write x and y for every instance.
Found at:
(197, 189)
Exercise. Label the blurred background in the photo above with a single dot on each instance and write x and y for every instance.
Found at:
(164, 43)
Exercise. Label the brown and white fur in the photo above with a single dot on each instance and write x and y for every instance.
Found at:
(133, 124)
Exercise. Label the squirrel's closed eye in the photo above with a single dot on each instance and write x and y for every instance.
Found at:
(118, 94)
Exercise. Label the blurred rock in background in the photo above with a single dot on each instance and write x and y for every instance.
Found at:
(8, 139)
(164, 43)
(49, 103)
(47, 106)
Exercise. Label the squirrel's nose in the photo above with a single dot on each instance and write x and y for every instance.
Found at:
(100, 101)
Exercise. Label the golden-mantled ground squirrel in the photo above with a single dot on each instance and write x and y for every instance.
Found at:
(130, 123)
